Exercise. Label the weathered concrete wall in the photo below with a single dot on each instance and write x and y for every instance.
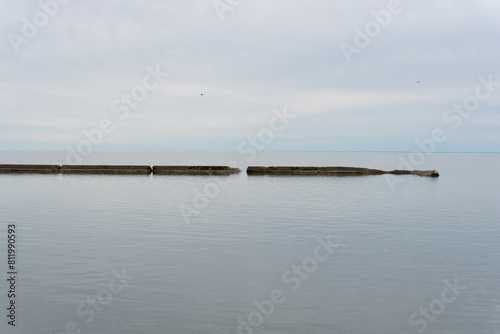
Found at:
(203, 170)
(171, 170)
(37, 169)
(118, 169)
(334, 171)
(340, 171)
(429, 173)
(105, 169)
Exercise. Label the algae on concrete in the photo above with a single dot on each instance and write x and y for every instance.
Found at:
(333, 171)
(105, 169)
(28, 169)
(169, 170)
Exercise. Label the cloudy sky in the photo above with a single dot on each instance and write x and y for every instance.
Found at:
(353, 83)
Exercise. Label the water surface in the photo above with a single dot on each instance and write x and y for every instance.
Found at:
(396, 246)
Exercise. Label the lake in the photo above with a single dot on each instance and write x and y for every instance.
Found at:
(254, 254)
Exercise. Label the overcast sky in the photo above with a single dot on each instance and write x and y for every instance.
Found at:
(247, 58)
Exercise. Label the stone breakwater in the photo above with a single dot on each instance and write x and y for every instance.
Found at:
(333, 171)
(104, 169)
(38, 169)
(202, 170)
(116, 169)
(170, 170)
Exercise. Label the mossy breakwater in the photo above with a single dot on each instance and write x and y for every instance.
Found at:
(201, 170)
(333, 171)
(38, 169)
(116, 169)
(172, 170)
(105, 169)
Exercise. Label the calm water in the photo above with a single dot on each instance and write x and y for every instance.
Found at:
(394, 248)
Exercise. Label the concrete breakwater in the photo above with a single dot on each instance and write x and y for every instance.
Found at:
(170, 170)
(104, 169)
(38, 169)
(116, 169)
(333, 171)
(202, 170)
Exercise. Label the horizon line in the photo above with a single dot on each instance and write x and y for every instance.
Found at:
(234, 151)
